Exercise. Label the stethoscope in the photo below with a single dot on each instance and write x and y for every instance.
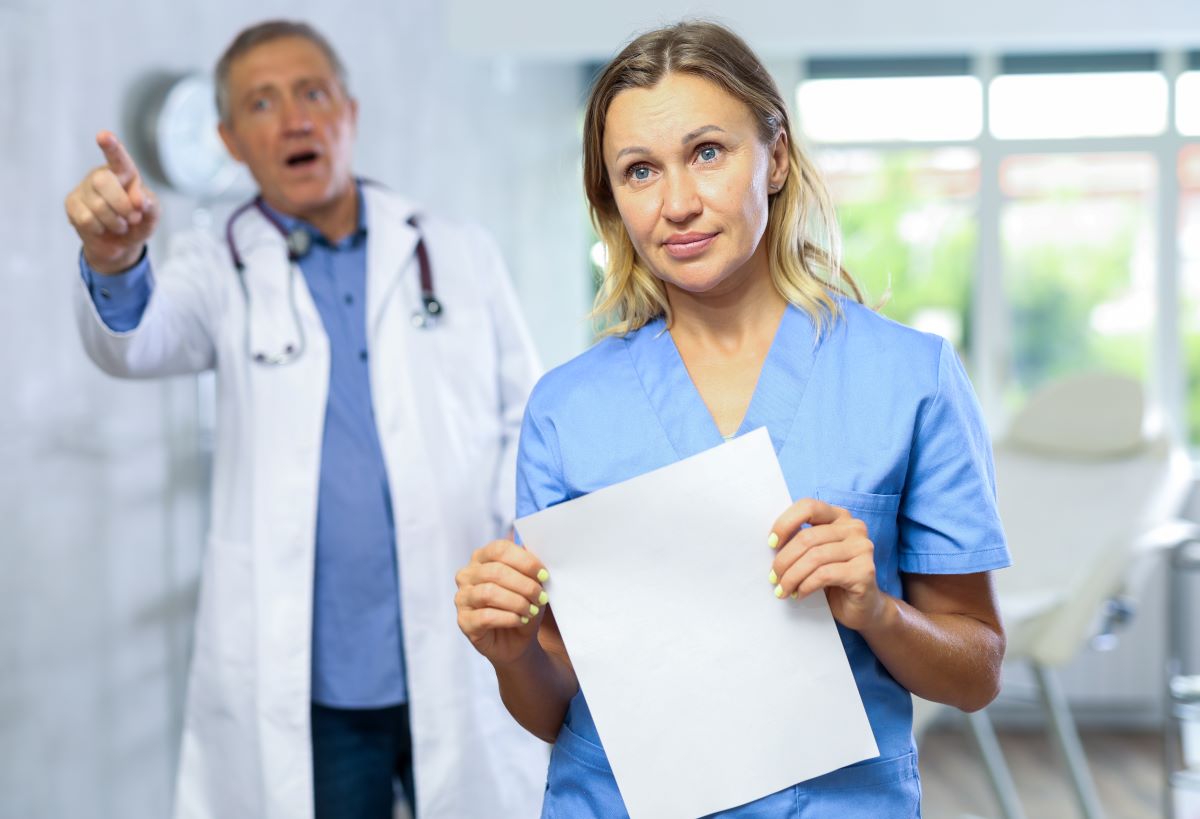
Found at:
(299, 243)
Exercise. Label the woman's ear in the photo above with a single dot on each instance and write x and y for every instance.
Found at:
(780, 163)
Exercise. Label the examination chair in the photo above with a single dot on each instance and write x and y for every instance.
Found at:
(1087, 494)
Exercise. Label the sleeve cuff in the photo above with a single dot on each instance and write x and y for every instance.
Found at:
(120, 298)
(982, 560)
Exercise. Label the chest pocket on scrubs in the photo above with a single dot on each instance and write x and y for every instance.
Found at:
(880, 513)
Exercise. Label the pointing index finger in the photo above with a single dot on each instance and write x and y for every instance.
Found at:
(118, 159)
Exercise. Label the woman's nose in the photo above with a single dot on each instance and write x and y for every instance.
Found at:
(681, 199)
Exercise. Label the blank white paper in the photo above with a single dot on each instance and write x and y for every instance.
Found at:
(707, 691)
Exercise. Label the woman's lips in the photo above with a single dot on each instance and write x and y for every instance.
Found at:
(688, 245)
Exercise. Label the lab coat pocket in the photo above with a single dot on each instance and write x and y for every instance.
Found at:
(465, 340)
(880, 513)
(466, 374)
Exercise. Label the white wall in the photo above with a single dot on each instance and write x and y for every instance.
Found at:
(553, 29)
(102, 482)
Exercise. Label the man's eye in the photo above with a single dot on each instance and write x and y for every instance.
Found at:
(708, 153)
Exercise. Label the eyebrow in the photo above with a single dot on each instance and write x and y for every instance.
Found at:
(701, 131)
(271, 87)
(688, 137)
(262, 88)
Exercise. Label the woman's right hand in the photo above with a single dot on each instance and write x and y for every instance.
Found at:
(501, 601)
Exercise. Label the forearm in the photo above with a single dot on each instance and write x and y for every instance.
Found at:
(536, 689)
(949, 658)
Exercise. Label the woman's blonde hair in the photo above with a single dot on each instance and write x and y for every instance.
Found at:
(803, 269)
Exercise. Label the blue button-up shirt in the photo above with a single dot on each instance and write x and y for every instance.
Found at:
(357, 656)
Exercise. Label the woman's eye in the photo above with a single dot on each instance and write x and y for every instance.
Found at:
(639, 173)
(708, 153)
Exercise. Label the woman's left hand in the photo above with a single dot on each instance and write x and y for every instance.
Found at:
(835, 553)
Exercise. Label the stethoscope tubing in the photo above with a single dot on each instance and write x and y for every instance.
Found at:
(299, 242)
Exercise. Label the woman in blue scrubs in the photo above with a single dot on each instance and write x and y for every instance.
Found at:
(728, 310)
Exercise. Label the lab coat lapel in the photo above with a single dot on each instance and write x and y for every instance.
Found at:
(390, 245)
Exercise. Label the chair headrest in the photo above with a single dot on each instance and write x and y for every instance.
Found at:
(1085, 415)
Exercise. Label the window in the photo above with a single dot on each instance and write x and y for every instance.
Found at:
(909, 224)
(1189, 268)
(879, 99)
(1187, 103)
(902, 109)
(1049, 205)
(1053, 96)
(1078, 265)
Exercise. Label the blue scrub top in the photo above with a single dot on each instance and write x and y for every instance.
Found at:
(873, 416)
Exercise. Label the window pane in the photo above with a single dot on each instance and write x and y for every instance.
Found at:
(883, 109)
(1079, 265)
(1189, 267)
(908, 218)
(1056, 106)
(1187, 103)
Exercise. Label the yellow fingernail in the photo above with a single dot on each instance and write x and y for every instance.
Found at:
(796, 594)
(543, 575)
(773, 541)
(533, 610)
(543, 599)
(779, 591)
(772, 578)
(524, 621)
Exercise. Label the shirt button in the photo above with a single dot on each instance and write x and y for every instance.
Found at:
(104, 293)
(362, 355)
(349, 299)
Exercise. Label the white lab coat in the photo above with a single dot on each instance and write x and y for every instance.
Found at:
(448, 402)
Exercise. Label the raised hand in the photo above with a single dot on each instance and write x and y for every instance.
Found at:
(112, 210)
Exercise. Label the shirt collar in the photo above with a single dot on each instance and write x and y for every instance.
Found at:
(290, 223)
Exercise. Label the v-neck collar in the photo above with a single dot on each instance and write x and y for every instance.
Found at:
(686, 420)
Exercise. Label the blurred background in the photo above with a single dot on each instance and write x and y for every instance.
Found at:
(1021, 178)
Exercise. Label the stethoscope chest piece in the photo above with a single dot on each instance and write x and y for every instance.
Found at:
(429, 314)
(299, 242)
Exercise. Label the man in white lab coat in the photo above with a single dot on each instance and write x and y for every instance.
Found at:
(372, 368)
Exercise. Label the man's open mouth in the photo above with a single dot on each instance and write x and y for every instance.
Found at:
(301, 159)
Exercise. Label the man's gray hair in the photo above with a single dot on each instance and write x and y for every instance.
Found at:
(265, 32)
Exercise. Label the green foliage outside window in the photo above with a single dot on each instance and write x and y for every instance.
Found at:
(930, 272)
(1059, 281)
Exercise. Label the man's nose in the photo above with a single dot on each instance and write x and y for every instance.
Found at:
(296, 117)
